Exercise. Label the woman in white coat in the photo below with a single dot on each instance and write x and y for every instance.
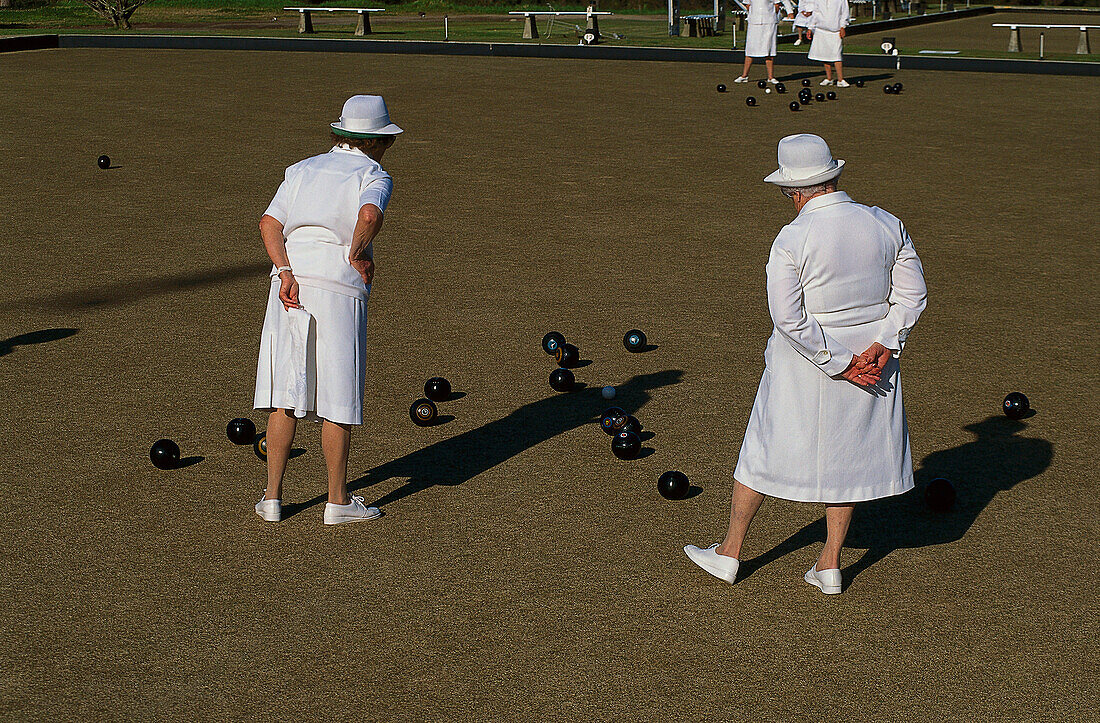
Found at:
(760, 38)
(845, 287)
(318, 231)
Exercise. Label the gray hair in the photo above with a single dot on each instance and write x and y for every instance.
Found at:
(809, 191)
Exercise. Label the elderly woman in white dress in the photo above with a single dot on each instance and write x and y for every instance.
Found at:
(760, 38)
(803, 18)
(318, 232)
(845, 287)
(827, 31)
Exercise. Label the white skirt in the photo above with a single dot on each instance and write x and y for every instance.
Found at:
(313, 362)
(760, 41)
(825, 47)
(815, 438)
(801, 21)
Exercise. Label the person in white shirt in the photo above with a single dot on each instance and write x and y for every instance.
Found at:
(319, 232)
(802, 18)
(845, 288)
(827, 31)
(760, 38)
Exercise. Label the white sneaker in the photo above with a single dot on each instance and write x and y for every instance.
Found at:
(827, 580)
(842, 84)
(722, 567)
(826, 82)
(270, 510)
(742, 79)
(773, 81)
(798, 42)
(354, 511)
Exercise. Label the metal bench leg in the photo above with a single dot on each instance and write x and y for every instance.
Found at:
(1083, 42)
(593, 22)
(530, 27)
(363, 26)
(305, 22)
(1014, 43)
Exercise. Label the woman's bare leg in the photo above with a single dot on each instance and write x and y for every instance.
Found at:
(280, 437)
(743, 507)
(769, 63)
(748, 64)
(829, 71)
(839, 72)
(335, 441)
(837, 520)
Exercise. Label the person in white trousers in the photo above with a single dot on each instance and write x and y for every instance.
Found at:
(845, 287)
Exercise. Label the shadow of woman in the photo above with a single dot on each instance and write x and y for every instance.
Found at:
(997, 460)
(457, 459)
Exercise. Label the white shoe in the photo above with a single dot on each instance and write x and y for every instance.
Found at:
(354, 511)
(826, 82)
(742, 79)
(270, 510)
(842, 84)
(827, 580)
(722, 567)
(773, 81)
(798, 42)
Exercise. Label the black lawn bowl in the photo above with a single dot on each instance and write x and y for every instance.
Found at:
(567, 356)
(423, 412)
(613, 419)
(721, 87)
(626, 445)
(888, 89)
(780, 88)
(805, 82)
(103, 162)
(552, 341)
(241, 431)
(562, 380)
(939, 495)
(1016, 405)
(831, 95)
(673, 485)
(750, 101)
(761, 84)
(260, 446)
(898, 87)
(794, 105)
(634, 340)
(631, 425)
(437, 389)
(164, 454)
(859, 83)
(819, 97)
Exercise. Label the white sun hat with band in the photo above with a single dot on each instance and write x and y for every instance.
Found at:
(804, 160)
(365, 116)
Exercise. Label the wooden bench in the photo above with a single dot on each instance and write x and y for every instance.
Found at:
(700, 26)
(530, 19)
(305, 21)
(1014, 44)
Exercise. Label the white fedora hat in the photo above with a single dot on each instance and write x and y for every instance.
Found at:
(804, 160)
(364, 116)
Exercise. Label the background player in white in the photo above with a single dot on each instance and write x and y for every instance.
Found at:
(760, 38)
(827, 31)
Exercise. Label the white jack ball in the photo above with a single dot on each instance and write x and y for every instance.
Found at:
(608, 392)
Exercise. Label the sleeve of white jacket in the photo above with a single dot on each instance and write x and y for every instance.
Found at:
(908, 296)
(845, 14)
(793, 321)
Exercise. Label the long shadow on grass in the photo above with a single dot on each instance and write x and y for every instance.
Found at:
(7, 346)
(997, 460)
(464, 456)
(126, 291)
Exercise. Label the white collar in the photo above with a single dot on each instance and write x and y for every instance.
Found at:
(345, 148)
(825, 199)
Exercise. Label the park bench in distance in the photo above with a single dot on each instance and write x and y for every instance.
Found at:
(530, 19)
(305, 22)
(1014, 44)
